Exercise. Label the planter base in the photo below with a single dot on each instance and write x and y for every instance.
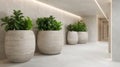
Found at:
(50, 42)
(21, 60)
(72, 38)
(19, 45)
(51, 53)
(82, 37)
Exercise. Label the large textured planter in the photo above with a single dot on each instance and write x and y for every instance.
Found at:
(82, 37)
(72, 37)
(19, 45)
(50, 42)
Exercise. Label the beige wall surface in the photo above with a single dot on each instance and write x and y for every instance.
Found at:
(92, 24)
(33, 9)
(116, 30)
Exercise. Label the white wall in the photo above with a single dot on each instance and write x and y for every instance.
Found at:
(116, 30)
(92, 24)
(32, 9)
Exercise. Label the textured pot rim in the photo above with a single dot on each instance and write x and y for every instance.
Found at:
(83, 32)
(51, 31)
(18, 30)
(72, 31)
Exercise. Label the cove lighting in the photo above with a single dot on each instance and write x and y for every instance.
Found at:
(52, 7)
(101, 9)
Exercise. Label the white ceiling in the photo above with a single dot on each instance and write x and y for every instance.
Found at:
(79, 7)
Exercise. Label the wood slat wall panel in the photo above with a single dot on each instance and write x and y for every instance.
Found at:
(103, 30)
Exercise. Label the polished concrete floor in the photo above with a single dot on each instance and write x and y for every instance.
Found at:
(81, 55)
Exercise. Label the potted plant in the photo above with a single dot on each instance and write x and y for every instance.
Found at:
(50, 38)
(82, 32)
(72, 37)
(19, 39)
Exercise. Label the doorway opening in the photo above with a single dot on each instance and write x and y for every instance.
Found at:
(103, 30)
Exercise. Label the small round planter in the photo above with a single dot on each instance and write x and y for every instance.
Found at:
(72, 37)
(82, 37)
(19, 45)
(50, 42)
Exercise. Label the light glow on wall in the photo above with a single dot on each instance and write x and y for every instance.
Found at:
(55, 8)
(101, 9)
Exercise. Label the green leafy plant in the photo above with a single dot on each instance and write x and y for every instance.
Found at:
(71, 27)
(16, 21)
(81, 26)
(78, 26)
(48, 23)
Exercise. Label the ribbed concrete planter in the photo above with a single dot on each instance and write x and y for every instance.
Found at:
(72, 37)
(50, 42)
(19, 45)
(82, 37)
